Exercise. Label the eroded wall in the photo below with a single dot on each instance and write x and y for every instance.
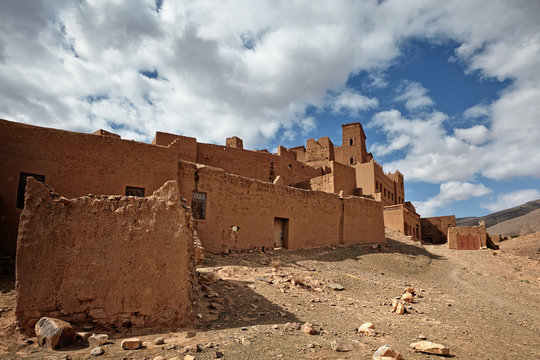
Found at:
(116, 261)
(74, 164)
(250, 206)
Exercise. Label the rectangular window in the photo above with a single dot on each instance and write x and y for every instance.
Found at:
(22, 186)
(384, 192)
(351, 160)
(198, 205)
(351, 142)
(134, 191)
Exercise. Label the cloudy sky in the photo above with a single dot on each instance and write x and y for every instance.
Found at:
(448, 91)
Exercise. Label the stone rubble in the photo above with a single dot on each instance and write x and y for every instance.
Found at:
(429, 347)
(54, 333)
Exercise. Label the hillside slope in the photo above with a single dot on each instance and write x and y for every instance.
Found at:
(502, 216)
(522, 225)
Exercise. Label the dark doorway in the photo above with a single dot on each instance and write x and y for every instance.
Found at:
(281, 232)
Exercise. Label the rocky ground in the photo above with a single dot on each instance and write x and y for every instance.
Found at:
(480, 304)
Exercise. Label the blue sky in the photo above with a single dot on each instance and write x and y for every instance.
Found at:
(447, 92)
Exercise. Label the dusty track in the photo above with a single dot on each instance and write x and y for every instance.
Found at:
(481, 304)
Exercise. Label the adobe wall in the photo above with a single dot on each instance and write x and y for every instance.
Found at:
(435, 229)
(404, 220)
(116, 261)
(256, 165)
(467, 237)
(314, 218)
(365, 177)
(74, 164)
(320, 150)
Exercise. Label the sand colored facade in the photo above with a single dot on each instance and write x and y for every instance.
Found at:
(243, 213)
(435, 229)
(76, 164)
(100, 259)
(403, 217)
(467, 237)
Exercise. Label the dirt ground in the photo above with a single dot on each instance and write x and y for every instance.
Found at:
(480, 304)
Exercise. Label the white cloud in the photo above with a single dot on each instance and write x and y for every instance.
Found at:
(450, 192)
(352, 103)
(508, 200)
(414, 95)
(475, 135)
(251, 69)
(476, 111)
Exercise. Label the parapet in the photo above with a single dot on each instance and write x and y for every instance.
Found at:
(234, 142)
(106, 133)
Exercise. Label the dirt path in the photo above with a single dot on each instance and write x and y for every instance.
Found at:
(480, 304)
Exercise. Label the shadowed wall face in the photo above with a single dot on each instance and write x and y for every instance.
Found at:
(118, 261)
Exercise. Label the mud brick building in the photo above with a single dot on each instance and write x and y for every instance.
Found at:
(435, 229)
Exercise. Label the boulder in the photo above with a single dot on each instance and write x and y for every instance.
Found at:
(308, 328)
(336, 287)
(131, 344)
(54, 333)
(97, 351)
(429, 347)
(97, 340)
(367, 329)
(385, 352)
(408, 297)
(340, 346)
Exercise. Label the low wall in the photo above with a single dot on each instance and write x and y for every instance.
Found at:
(467, 237)
(111, 260)
(241, 213)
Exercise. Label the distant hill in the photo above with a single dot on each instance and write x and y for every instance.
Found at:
(521, 225)
(519, 220)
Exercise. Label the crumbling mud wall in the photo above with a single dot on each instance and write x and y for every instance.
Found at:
(116, 261)
(467, 237)
(242, 213)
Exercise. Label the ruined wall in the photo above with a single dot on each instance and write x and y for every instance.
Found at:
(435, 229)
(320, 150)
(467, 237)
(74, 164)
(116, 261)
(314, 218)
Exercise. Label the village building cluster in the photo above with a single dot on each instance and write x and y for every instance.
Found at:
(306, 196)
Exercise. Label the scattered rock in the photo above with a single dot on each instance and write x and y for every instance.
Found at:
(336, 287)
(310, 346)
(54, 333)
(190, 334)
(429, 347)
(189, 357)
(398, 307)
(97, 340)
(376, 246)
(292, 326)
(340, 346)
(367, 329)
(275, 327)
(159, 357)
(159, 341)
(207, 277)
(131, 344)
(219, 355)
(308, 328)
(422, 337)
(97, 351)
(193, 348)
(408, 297)
(385, 352)
(263, 279)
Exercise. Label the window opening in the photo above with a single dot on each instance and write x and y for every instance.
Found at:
(134, 191)
(198, 205)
